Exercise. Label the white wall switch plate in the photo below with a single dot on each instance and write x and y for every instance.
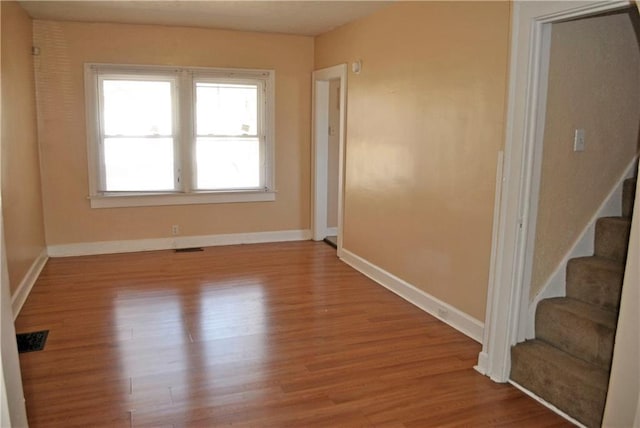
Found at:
(578, 141)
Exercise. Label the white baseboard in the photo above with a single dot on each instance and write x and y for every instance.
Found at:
(22, 292)
(134, 245)
(548, 405)
(555, 286)
(332, 231)
(483, 363)
(439, 309)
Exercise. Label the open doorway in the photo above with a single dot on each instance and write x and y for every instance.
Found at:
(329, 112)
(512, 249)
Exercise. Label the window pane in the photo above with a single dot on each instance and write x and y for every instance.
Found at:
(137, 108)
(226, 109)
(138, 164)
(228, 163)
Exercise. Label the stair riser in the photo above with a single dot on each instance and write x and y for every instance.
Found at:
(628, 196)
(600, 287)
(577, 336)
(612, 238)
(562, 388)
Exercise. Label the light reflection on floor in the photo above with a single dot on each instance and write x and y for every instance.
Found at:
(158, 344)
(230, 322)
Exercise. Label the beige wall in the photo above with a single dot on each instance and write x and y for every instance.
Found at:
(594, 83)
(425, 122)
(66, 46)
(12, 404)
(21, 196)
(334, 153)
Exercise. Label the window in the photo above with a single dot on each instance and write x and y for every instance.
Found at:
(165, 136)
(227, 137)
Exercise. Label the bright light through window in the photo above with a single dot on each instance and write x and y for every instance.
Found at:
(226, 109)
(226, 163)
(137, 108)
(227, 142)
(138, 140)
(138, 164)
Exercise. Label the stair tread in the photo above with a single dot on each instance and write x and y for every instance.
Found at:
(584, 310)
(580, 329)
(594, 375)
(612, 237)
(599, 262)
(573, 385)
(628, 196)
(595, 280)
(630, 183)
(616, 219)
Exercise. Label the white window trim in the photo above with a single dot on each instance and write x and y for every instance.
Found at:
(185, 134)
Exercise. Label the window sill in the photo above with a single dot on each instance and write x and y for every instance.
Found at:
(159, 199)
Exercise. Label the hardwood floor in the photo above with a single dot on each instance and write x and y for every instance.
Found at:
(253, 335)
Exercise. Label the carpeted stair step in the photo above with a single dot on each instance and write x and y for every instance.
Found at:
(571, 384)
(628, 196)
(612, 237)
(595, 280)
(580, 329)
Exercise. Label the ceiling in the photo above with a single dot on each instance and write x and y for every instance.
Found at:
(308, 17)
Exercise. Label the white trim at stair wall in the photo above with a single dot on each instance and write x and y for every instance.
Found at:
(555, 286)
(525, 107)
(548, 405)
(22, 292)
(483, 357)
(439, 309)
(130, 246)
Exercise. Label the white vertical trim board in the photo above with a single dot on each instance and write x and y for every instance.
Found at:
(527, 81)
(134, 245)
(555, 285)
(433, 306)
(483, 360)
(22, 292)
(532, 170)
(320, 156)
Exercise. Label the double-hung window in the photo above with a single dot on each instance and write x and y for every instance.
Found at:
(228, 149)
(166, 135)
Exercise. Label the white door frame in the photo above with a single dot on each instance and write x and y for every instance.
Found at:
(320, 147)
(508, 292)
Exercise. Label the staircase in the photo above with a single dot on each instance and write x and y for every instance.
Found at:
(568, 362)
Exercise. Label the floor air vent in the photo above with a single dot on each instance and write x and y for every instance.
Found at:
(30, 342)
(188, 250)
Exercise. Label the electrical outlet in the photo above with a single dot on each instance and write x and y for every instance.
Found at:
(175, 229)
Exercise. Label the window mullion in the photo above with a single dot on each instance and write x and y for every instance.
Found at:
(102, 170)
(185, 138)
(264, 142)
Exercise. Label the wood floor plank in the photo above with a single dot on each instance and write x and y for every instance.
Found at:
(251, 335)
